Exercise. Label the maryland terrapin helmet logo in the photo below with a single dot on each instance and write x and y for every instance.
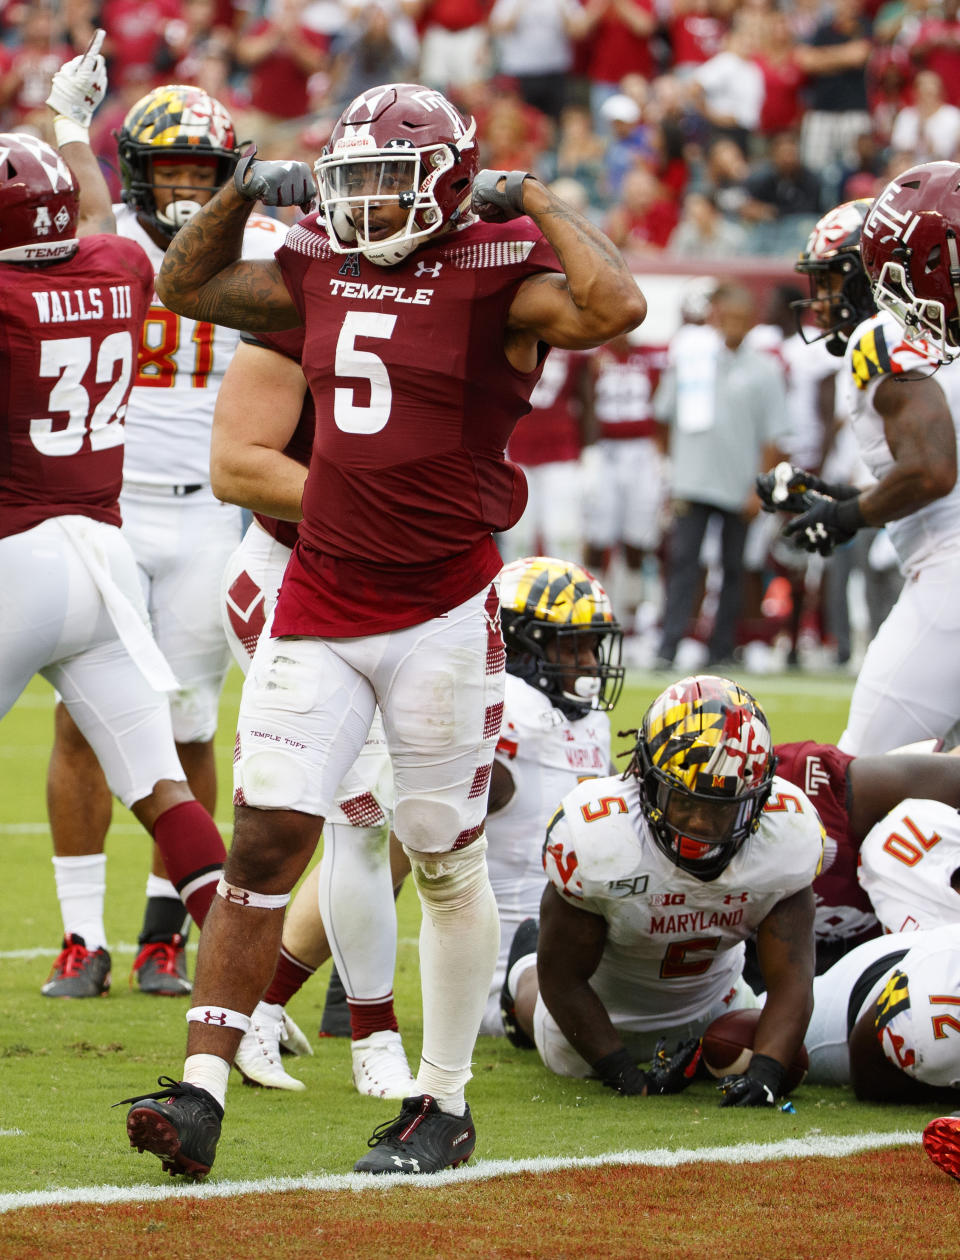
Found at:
(173, 123)
(704, 757)
(560, 633)
(833, 249)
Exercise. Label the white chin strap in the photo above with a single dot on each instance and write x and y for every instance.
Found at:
(178, 213)
(382, 253)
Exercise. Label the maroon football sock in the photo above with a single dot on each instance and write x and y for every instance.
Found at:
(193, 853)
(371, 1017)
(290, 976)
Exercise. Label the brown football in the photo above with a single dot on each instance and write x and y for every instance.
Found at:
(728, 1047)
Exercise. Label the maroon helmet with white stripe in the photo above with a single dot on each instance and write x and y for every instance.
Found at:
(39, 202)
(399, 144)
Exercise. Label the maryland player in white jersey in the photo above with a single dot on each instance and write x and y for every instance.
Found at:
(904, 421)
(563, 676)
(656, 878)
(886, 1019)
(910, 866)
(176, 147)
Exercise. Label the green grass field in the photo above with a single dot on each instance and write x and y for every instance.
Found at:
(62, 1064)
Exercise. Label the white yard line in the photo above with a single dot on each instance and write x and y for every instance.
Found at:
(483, 1170)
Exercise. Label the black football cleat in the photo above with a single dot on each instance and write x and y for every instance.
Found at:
(180, 1125)
(422, 1139)
(524, 942)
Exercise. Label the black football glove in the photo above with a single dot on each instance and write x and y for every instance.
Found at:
(759, 1086)
(826, 525)
(275, 183)
(498, 205)
(786, 488)
(618, 1071)
(671, 1074)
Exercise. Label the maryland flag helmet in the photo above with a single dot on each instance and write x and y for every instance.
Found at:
(704, 758)
(175, 124)
(560, 634)
(833, 248)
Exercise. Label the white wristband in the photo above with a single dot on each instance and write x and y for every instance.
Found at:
(69, 132)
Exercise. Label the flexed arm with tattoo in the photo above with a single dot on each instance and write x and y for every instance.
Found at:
(203, 275)
(594, 300)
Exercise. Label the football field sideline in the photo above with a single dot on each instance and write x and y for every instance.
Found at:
(814, 1145)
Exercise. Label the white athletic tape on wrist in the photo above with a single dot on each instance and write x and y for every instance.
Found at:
(69, 132)
(244, 897)
(218, 1017)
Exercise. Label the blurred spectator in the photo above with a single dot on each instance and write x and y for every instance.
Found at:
(782, 188)
(369, 50)
(929, 129)
(512, 135)
(641, 222)
(783, 80)
(630, 141)
(696, 29)
(134, 41)
(724, 404)
(281, 54)
(867, 175)
(547, 444)
(625, 497)
(703, 232)
(731, 85)
(889, 88)
(41, 50)
(835, 60)
(180, 39)
(533, 46)
(617, 37)
(724, 176)
(454, 41)
(935, 45)
(578, 154)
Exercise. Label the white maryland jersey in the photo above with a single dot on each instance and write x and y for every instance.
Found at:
(674, 943)
(546, 755)
(877, 350)
(916, 1005)
(906, 863)
(180, 365)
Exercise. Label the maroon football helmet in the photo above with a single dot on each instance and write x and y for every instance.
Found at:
(397, 145)
(39, 202)
(910, 250)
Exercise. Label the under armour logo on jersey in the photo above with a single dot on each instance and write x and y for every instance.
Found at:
(351, 265)
(426, 269)
(42, 223)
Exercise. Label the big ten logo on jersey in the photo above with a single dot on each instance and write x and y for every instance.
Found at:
(70, 306)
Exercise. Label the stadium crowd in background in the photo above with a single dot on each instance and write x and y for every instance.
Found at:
(822, 101)
(686, 129)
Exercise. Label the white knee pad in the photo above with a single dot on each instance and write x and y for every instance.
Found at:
(425, 823)
(449, 882)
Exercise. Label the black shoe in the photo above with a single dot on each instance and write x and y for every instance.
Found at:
(161, 968)
(335, 1021)
(182, 1130)
(524, 942)
(422, 1139)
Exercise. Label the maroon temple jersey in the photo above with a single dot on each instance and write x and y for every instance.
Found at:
(68, 354)
(415, 400)
(844, 912)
